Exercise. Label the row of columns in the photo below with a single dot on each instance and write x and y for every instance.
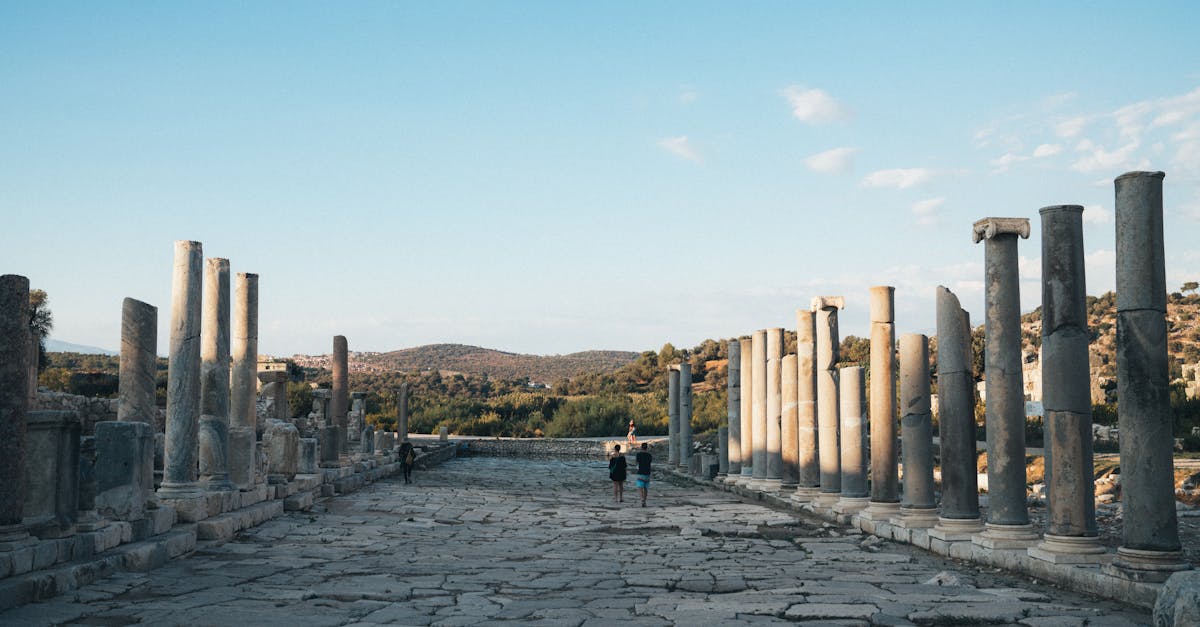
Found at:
(798, 424)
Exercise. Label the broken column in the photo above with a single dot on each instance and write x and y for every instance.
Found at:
(243, 410)
(179, 485)
(885, 482)
(282, 443)
(367, 440)
(14, 396)
(774, 404)
(758, 406)
(341, 392)
(853, 437)
(1150, 549)
(214, 378)
(918, 509)
(733, 397)
(685, 415)
(125, 450)
(402, 413)
(358, 415)
(959, 519)
(673, 415)
(826, 325)
(808, 478)
(789, 447)
(1008, 517)
(745, 374)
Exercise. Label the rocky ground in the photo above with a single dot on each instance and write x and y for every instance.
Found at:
(487, 540)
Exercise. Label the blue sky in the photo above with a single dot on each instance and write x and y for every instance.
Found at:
(549, 177)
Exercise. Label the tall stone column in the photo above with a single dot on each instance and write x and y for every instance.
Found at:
(828, 415)
(774, 409)
(1071, 535)
(685, 415)
(853, 418)
(341, 393)
(673, 415)
(808, 477)
(918, 509)
(402, 411)
(733, 389)
(136, 401)
(214, 377)
(722, 453)
(1150, 549)
(790, 470)
(959, 519)
(14, 398)
(1008, 517)
(758, 406)
(179, 484)
(243, 411)
(885, 481)
(746, 351)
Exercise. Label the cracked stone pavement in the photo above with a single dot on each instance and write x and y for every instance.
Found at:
(479, 541)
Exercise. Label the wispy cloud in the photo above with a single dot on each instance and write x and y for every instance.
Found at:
(815, 106)
(680, 147)
(1096, 214)
(1096, 158)
(899, 178)
(928, 211)
(1047, 150)
(688, 95)
(835, 161)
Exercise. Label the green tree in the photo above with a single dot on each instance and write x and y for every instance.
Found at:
(1190, 286)
(300, 397)
(41, 322)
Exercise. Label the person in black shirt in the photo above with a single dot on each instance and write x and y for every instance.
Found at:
(643, 471)
(616, 472)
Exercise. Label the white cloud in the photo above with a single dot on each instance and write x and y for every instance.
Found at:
(688, 95)
(1101, 159)
(835, 161)
(1096, 214)
(1071, 128)
(1005, 161)
(1047, 150)
(927, 211)
(680, 147)
(900, 178)
(815, 106)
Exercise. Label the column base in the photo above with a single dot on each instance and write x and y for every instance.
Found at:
(1004, 537)
(805, 494)
(745, 478)
(1147, 566)
(851, 504)
(171, 490)
(218, 483)
(915, 518)
(772, 485)
(187, 499)
(14, 537)
(788, 487)
(1070, 550)
(956, 529)
(90, 521)
(879, 511)
(826, 500)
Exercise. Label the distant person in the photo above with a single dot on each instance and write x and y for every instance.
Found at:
(643, 471)
(616, 472)
(632, 435)
(408, 458)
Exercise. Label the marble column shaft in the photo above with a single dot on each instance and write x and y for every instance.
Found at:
(790, 471)
(745, 373)
(956, 410)
(341, 392)
(809, 464)
(885, 483)
(244, 378)
(774, 406)
(14, 396)
(828, 413)
(138, 367)
(214, 376)
(758, 377)
(673, 415)
(183, 374)
(853, 432)
(733, 411)
(685, 414)
(916, 423)
(1002, 368)
(1144, 406)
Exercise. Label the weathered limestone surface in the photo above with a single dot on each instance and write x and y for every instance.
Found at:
(722, 451)
(918, 508)
(808, 474)
(746, 351)
(341, 391)
(853, 453)
(51, 473)
(685, 414)
(14, 380)
(774, 406)
(282, 441)
(673, 415)
(885, 486)
(758, 379)
(828, 414)
(1150, 549)
(243, 406)
(357, 416)
(183, 376)
(790, 471)
(138, 362)
(124, 469)
(733, 412)
(214, 377)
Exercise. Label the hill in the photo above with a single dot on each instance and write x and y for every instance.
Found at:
(59, 346)
(494, 363)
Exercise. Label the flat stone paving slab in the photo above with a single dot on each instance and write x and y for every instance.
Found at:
(482, 541)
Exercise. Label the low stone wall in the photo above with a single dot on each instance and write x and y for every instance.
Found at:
(90, 409)
(554, 448)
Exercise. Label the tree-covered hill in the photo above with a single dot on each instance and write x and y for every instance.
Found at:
(496, 364)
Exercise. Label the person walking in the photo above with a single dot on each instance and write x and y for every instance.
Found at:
(643, 471)
(408, 457)
(632, 435)
(616, 472)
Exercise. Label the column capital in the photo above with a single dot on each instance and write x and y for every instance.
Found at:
(828, 302)
(988, 228)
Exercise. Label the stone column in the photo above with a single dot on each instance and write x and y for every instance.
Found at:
(243, 410)
(722, 453)
(214, 378)
(733, 389)
(341, 392)
(758, 407)
(1150, 549)
(746, 374)
(854, 495)
(673, 415)
(283, 413)
(1008, 518)
(826, 324)
(790, 451)
(1071, 535)
(402, 411)
(358, 409)
(138, 367)
(808, 477)
(179, 483)
(14, 397)
(956, 423)
(685, 415)
(774, 409)
(885, 482)
(918, 509)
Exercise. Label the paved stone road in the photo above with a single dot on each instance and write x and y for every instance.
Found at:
(480, 541)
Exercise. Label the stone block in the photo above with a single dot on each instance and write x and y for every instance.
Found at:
(51, 473)
(298, 502)
(124, 469)
(45, 554)
(307, 463)
(191, 509)
(242, 460)
(282, 442)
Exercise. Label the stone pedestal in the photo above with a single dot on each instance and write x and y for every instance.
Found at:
(329, 447)
(854, 495)
(51, 473)
(307, 463)
(367, 438)
(758, 408)
(180, 488)
(918, 507)
(673, 415)
(241, 458)
(341, 392)
(357, 417)
(685, 414)
(733, 409)
(14, 399)
(885, 483)
(282, 442)
(1150, 549)
(808, 466)
(443, 434)
(87, 518)
(828, 414)
(746, 374)
(956, 423)
(774, 404)
(1008, 518)
(124, 469)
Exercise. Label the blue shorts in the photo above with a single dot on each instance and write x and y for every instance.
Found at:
(643, 481)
